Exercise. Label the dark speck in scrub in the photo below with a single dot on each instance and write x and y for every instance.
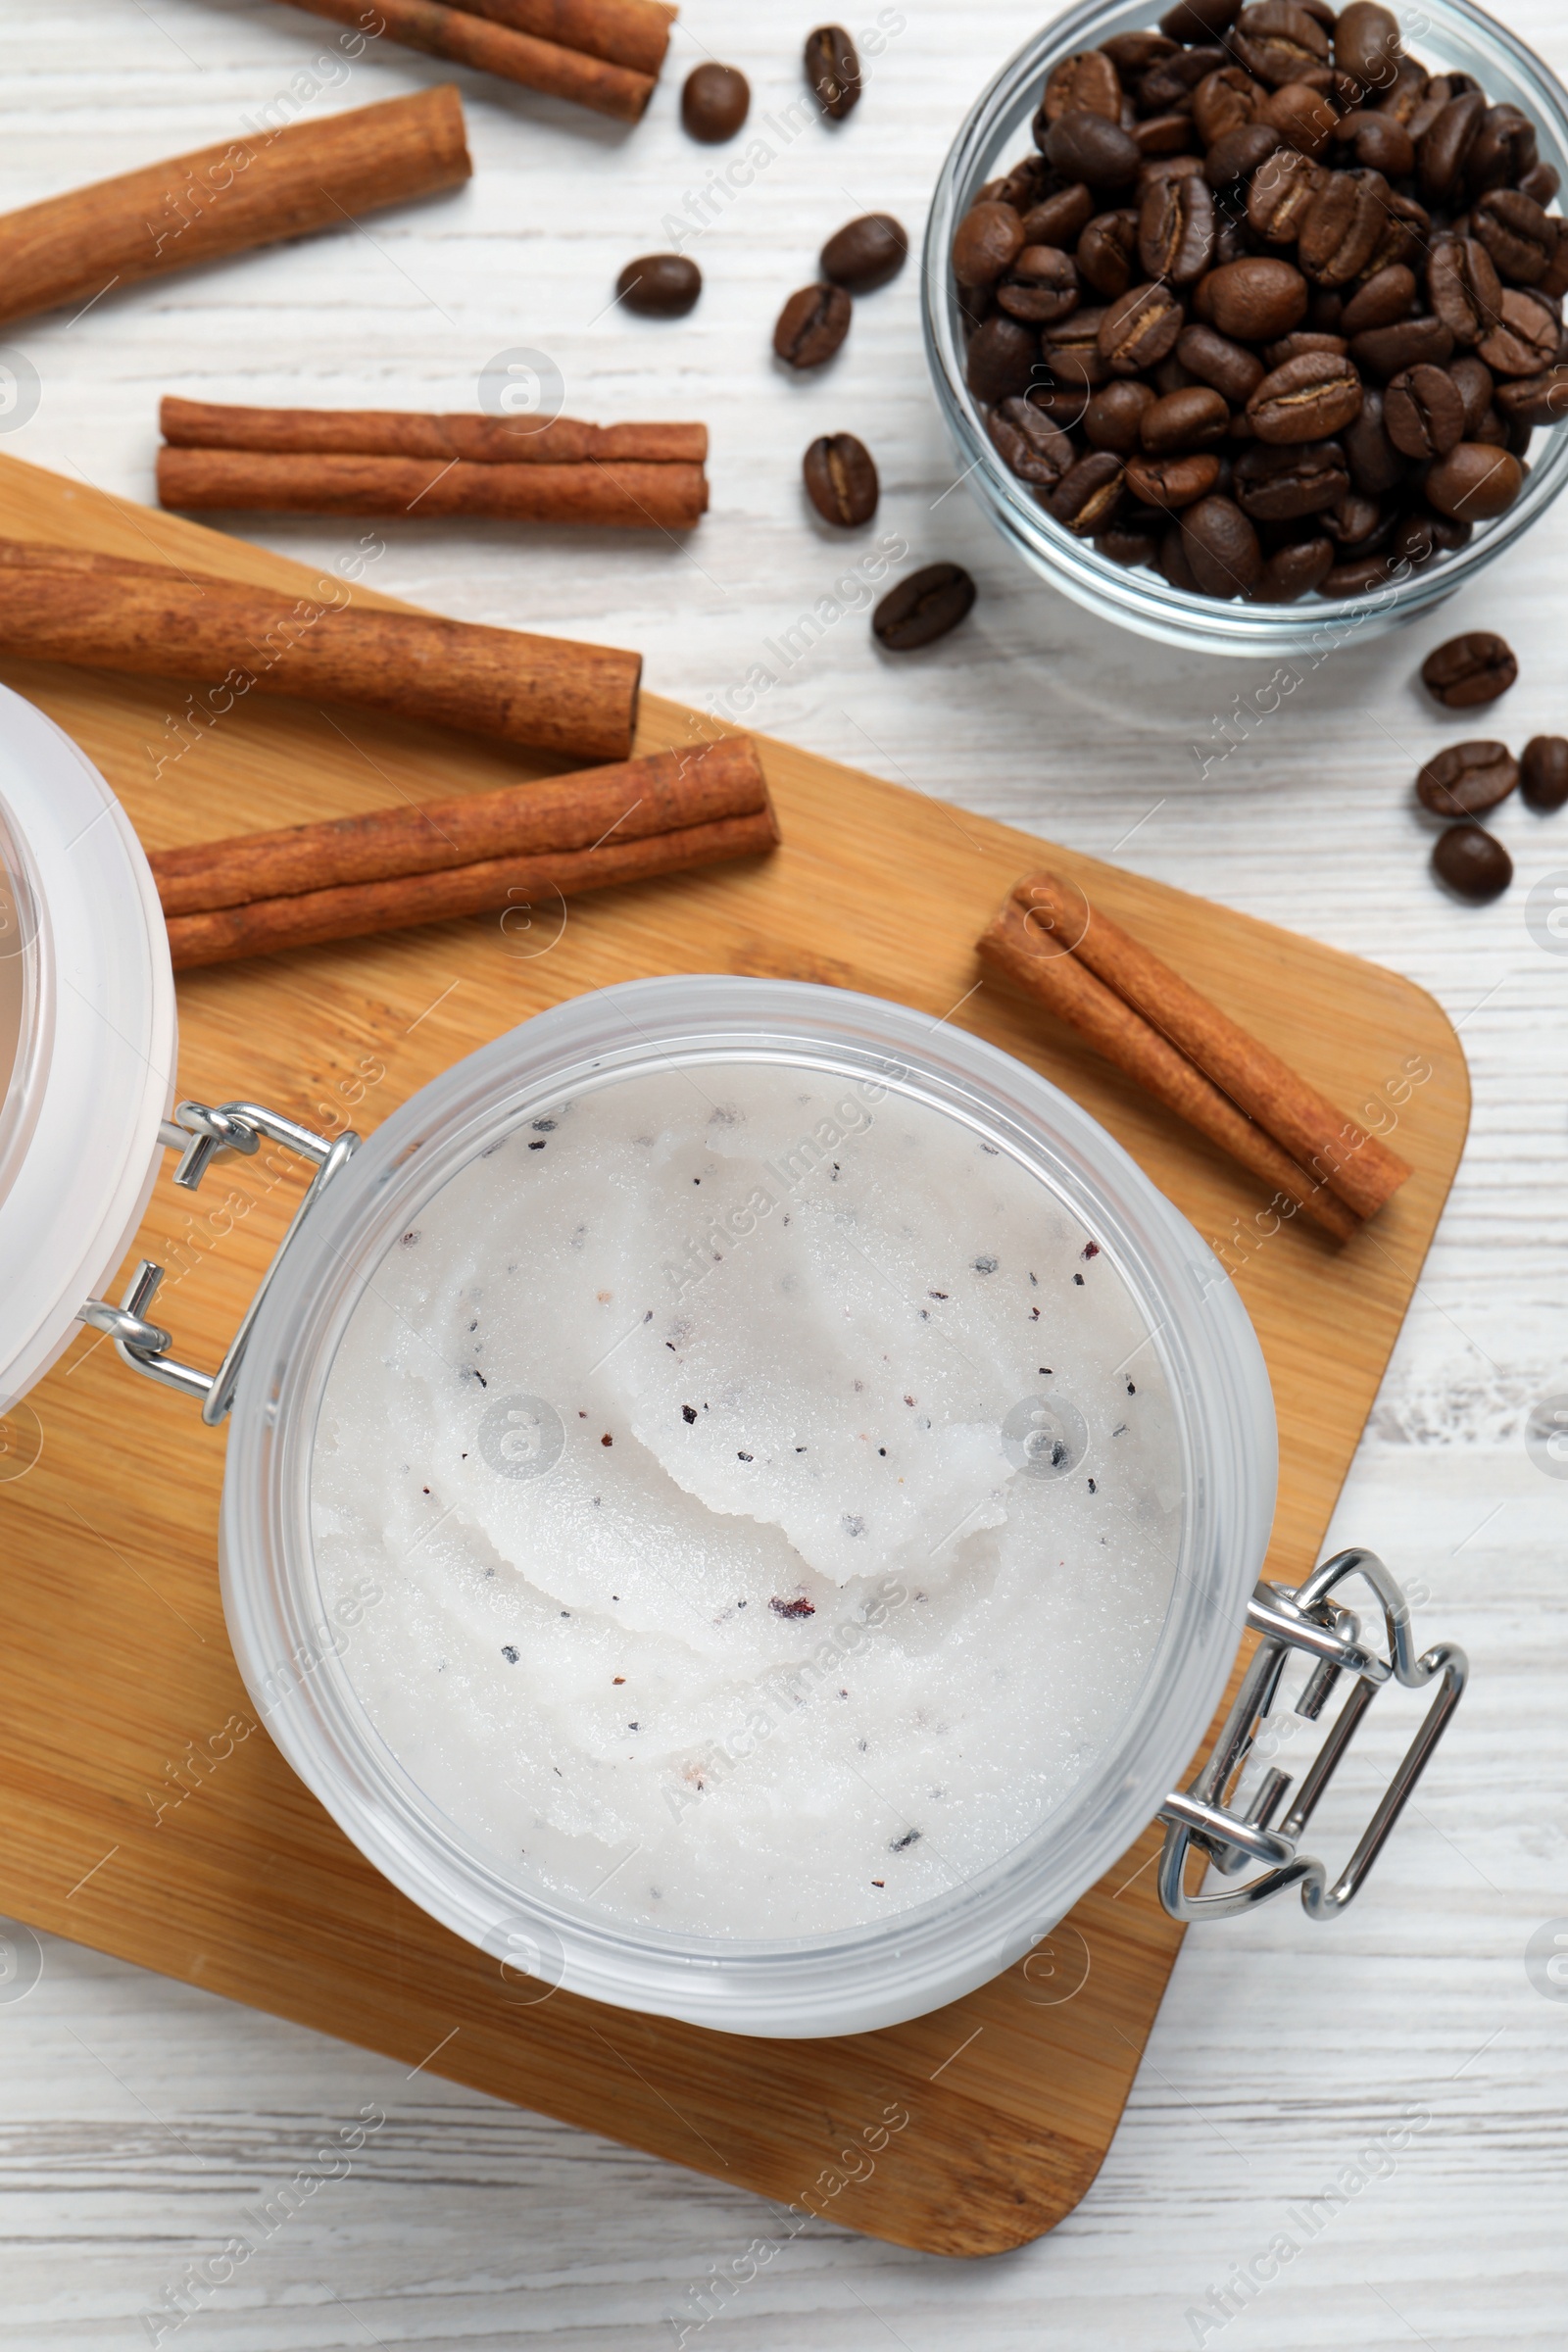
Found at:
(1120, 1430)
(985, 1265)
(688, 1412)
(742, 1457)
(1045, 1372)
(882, 1449)
(696, 1180)
(544, 1126)
(634, 1726)
(1079, 1280)
(793, 1608)
(877, 1881)
(909, 1837)
(509, 1653)
(909, 1401)
(409, 1239)
(606, 1438)
(936, 1293)
(537, 1147)
(1131, 1390)
(852, 1524)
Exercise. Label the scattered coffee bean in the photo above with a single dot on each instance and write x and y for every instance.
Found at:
(865, 253)
(659, 285)
(811, 326)
(1474, 668)
(841, 479)
(923, 607)
(714, 102)
(833, 69)
(1467, 779)
(1472, 862)
(1544, 772)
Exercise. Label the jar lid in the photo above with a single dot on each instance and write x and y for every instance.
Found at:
(88, 1038)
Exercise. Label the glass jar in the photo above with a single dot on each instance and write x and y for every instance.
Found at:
(1452, 36)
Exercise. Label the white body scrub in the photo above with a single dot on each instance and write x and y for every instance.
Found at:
(771, 1496)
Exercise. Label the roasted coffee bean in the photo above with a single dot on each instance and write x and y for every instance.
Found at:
(1405, 95)
(1226, 102)
(1215, 360)
(1473, 668)
(1060, 219)
(1344, 227)
(1122, 544)
(1072, 352)
(1164, 139)
(714, 102)
(1139, 328)
(1236, 153)
(1368, 44)
(1474, 482)
(1172, 482)
(1377, 143)
(1472, 862)
(1030, 445)
(1502, 151)
(1423, 413)
(1467, 779)
(1424, 534)
(1170, 84)
(814, 324)
(1283, 191)
(1303, 117)
(1170, 376)
(1085, 146)
(1544, 772)
(1532, 400)
(1024, 185)
(1306, 400)
(1114, 413)
(1291, 347)
(1086, 84)
(1254, 300)
(1107, 254)
(1385, 297)
(1540, 183)
(1088, 493)
(1279, 41)
(1526, 337)
(989, 240)
(1198, 20)
(1358, 524)
(1520, 235)
(1492, 429)
(1462, 287)
(1063, 405)
(659, 285)
(923, 607)
(833, 69)
(1358, 576)
(1003, 355)
(1222, 548)
(1295, 571)
(1280, 485)
(1474, 379)
(865, 254)
(1194, 418)
(1443, 149)
(1133, 53)
(841, 478)
(1384, 350)
(1173, 564)
(1176, 229)
(1040, 286)
(1376, 465)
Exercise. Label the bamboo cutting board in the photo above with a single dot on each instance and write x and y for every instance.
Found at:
(144, 1814)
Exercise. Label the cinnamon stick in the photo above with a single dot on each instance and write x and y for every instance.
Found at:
(470, 41)
(551, 692)
(627, 496)
(624, 32)
(1363, 1172)
(310, 919)
(400, 433)
(1058, 980)
(667, 792)
(225, 199)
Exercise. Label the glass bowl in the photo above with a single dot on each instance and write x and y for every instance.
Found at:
(301, 1654)
(1445, 34)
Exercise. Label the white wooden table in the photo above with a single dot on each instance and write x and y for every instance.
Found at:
(141, 2119)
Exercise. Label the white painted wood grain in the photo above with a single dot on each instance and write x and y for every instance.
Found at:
(141, 2119)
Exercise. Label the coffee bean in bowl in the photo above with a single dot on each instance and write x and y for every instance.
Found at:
(1474, 668)
(923, 607)
(1351, 248)
(1472, 862)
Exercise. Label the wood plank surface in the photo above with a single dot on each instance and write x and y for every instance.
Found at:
(109, 1616)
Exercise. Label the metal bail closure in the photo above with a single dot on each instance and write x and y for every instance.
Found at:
(1310, 1621)
(199, 1132)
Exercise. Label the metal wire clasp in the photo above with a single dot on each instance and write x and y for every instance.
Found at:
(199, 1132)
(1309, 1621)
